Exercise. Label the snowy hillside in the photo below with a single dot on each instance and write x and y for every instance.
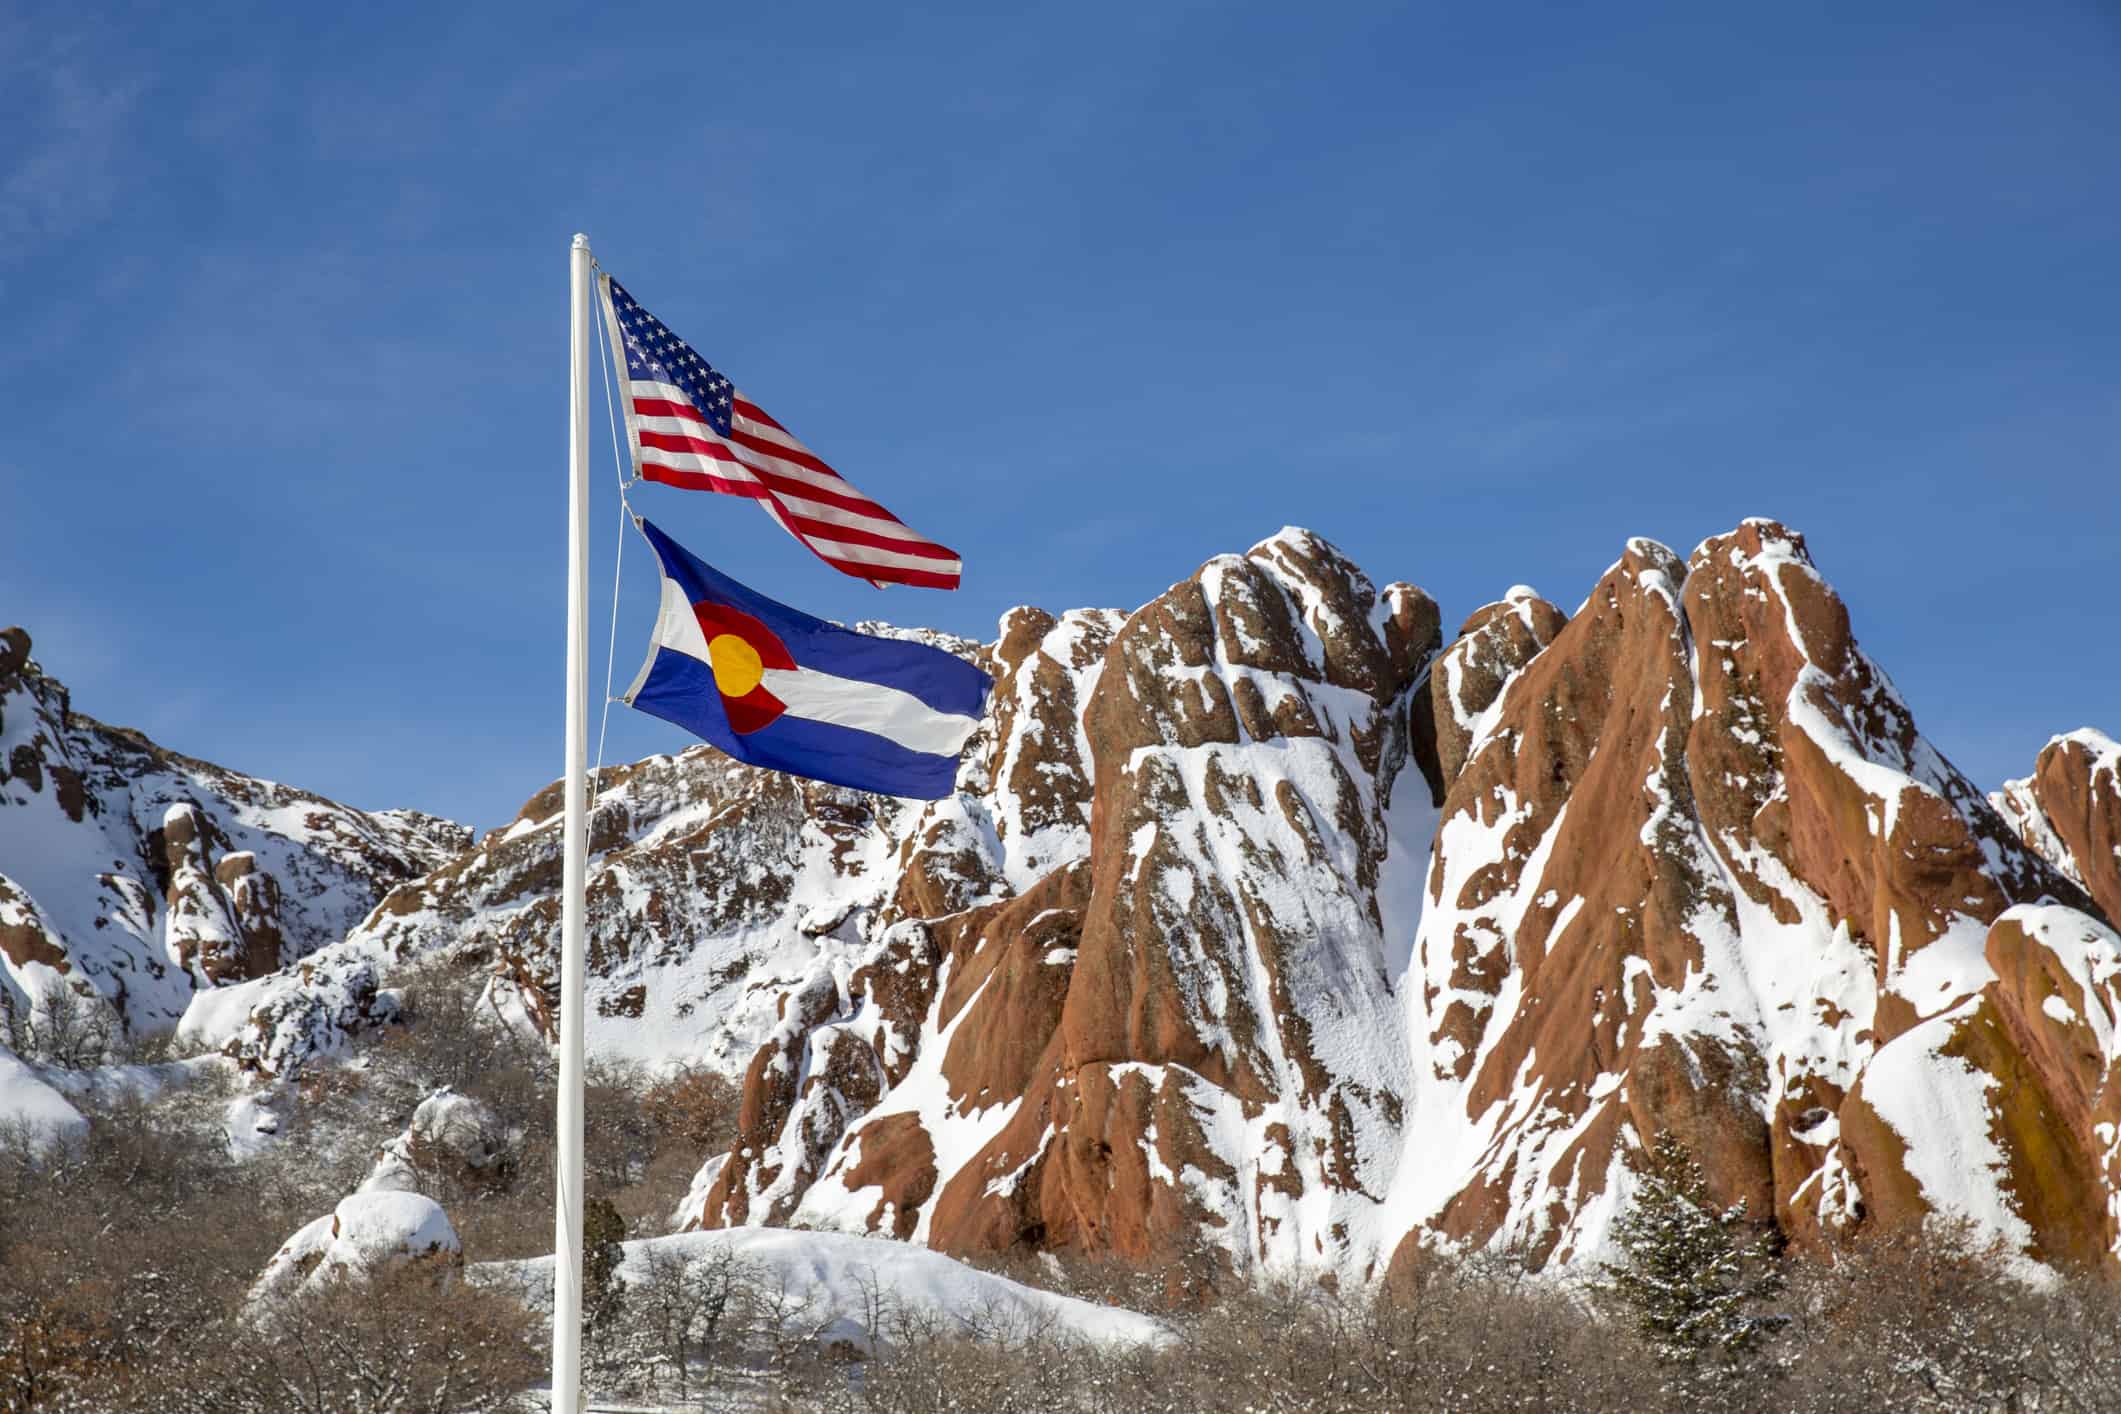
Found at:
(137, 878)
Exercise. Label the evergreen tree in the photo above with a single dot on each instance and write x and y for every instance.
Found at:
(1691, 1276)
(604, 1291)
(602, 1232)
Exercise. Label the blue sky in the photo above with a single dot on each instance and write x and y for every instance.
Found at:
(1090, 292)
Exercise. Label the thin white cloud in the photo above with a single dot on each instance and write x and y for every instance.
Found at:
(68, 115)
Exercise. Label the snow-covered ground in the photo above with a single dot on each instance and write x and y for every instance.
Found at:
(32, 1106)
(840, 1272)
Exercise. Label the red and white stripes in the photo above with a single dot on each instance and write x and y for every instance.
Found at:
(676, 444)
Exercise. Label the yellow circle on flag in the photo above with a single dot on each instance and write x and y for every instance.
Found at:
(736, 664)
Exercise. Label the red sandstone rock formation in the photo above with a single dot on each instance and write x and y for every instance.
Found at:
(1189, 1025)
(2069, 811)
(1265, 928)
(1696, 871)
(1701, 874)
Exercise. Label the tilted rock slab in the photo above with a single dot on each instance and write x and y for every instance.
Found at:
(1701, 874)
(2069, 811)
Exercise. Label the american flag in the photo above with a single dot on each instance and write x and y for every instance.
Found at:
(690, 427)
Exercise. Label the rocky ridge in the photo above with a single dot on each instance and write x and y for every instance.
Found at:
(138, 878)
(2069, 812)
(1696, 870)
(1701, 874)
(1267, 928)
(1186, 1025)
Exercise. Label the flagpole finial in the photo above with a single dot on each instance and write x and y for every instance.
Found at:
(581, 242)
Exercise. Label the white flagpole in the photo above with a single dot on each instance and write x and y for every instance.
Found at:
(567, 1189)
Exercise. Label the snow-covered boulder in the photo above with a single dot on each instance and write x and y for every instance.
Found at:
(363, 1234)
(272, 1024)
(451, 1136)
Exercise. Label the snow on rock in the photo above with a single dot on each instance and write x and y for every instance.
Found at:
(364, 1233)
(843, 1274)
(149, 877)
(1700, 874)
(1186, 1029)
(1492, 644)
(1564, 868)
(711, 887)
(1266, 930)
(251, 1125)
(1042, 759)
(272, 1024)
(2069, 812)
(451, 1135)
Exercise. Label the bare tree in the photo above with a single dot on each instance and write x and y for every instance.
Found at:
(407, 1341)
(693, 1310)
(62, 1025)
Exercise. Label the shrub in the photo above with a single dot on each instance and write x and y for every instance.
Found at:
(404, 1340)
(694, 1107)
(1932, 1319)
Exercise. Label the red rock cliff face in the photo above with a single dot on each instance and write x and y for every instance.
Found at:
(2069, 812)
(1695, 871)
(1565, 889)
(1185, 1033)
(1700, 874)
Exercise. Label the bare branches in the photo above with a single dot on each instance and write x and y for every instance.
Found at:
(61, 1025)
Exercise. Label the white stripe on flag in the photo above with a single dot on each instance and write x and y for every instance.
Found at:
(836, 515)
(795, 471)
(870, 707)
(699, 464)
(657, 389)
(677, 427)
(871, 555)
(765, 431)
(677, 627)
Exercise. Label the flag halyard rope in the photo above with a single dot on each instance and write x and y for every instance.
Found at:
(611, 641)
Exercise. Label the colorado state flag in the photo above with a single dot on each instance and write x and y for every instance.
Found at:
(774, 687)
